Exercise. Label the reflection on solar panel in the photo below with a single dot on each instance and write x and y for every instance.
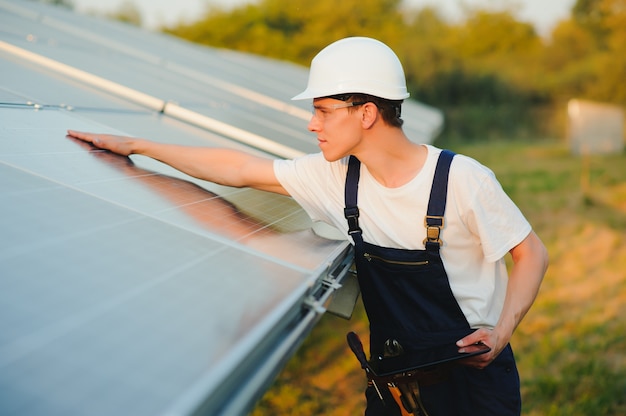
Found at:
(127, 287)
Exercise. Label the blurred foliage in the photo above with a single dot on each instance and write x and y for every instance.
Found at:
(490, 73)
(68, 4)
(127, 12)
(294, 30)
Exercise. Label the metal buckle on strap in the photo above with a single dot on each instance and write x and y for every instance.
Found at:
(433, 225)
(352, 215)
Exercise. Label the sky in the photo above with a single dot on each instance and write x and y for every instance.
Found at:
(544, 14)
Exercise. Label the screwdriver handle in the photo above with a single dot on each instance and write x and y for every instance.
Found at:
(357, 348)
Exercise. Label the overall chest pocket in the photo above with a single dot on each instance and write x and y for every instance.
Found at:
(407, 291)
(391, 262)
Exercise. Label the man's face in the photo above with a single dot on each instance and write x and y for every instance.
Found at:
(337, 127)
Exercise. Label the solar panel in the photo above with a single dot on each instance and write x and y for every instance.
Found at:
(127, 287)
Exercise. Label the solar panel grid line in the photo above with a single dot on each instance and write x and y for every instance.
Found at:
(24, 346)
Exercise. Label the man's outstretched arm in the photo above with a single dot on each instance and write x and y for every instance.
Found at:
(223, 166)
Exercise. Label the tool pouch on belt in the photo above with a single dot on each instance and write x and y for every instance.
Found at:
(403, 374)
(427, 366)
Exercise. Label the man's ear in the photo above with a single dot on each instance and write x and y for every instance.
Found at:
(370, 115)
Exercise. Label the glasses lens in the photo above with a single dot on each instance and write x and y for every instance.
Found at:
(321, 112)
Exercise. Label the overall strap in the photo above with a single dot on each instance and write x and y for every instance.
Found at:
(437, 203)
(351, 210)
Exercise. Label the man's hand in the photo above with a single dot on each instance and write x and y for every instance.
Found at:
(530, 261)
(487, 337)
(117, 144)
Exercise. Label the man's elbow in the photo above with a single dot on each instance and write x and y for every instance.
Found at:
(540, 252)
(545, 256)
(532, 249)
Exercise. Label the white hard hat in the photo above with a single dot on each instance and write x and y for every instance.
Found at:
(356, 65)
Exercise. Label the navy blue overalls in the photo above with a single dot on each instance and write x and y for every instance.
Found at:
(408, 300)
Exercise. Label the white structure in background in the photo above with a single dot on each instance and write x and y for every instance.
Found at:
(126, 287)
(595, 128)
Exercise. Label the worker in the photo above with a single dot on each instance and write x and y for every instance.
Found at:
(431, 266)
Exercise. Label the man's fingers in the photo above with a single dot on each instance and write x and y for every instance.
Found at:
(88, 137)
(92, 138)
(472, 338)
(116, 144)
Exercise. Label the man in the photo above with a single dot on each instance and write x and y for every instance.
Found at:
(421, 285)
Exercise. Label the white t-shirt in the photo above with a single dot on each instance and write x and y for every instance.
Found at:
(481, 222)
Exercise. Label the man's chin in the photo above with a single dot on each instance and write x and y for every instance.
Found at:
(332, 157)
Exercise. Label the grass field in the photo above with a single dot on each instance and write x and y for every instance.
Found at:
(571, 347)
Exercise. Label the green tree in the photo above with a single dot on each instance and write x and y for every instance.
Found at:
(296, 29)
(570, 61)
(591, 16)
(496, 45)
(612, 65)
(426, 55)
(482, 72)
(586, 57)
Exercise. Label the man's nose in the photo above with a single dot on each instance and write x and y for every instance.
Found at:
(314, 123)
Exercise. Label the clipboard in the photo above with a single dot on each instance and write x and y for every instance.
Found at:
(426, 358)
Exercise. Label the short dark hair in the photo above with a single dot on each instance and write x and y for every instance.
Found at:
(391, 110)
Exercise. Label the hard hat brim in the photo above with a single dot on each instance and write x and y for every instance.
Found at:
(309, 94)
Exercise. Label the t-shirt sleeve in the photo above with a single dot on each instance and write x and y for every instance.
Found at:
(314, 183)
(493, 216)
